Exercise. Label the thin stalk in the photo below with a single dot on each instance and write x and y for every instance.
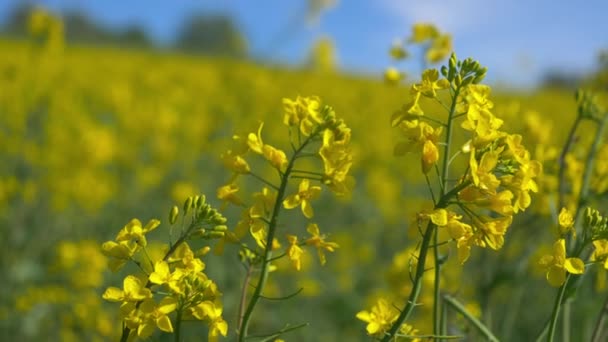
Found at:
(472, 319)
(566, 321)
(261, 179)
(420, 267)
(178, 324)
(444, 318)
(448, 140)
(556, 307)
(437, 289)
(444, 181)
(417, 285)
(243, 300)
(590, 164)
(268, 252)
(562, 163)
(599, 325)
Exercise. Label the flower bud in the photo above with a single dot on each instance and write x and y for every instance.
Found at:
(214, 235)
(173, 214)
(458, 80)
(220, 228)
(201, 201)
(187, 205)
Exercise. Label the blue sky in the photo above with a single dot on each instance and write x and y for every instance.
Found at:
(518, 40)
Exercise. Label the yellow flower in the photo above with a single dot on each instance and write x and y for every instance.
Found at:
(155, 316)
(294, 252)
(228, 193)
(255, 142)
(481, 172)
(379, 319)
(235, 163)
(430, 83)
(318, 241)
(558, 265)
(422, 32)
(120, 253)
(392, 76)
(600, 252)
(430, 156)
(305, 194)
(263, 203)
(133, 231)
(162, 275)
(566, 222)
(438, 216)
(463, 234)
(440, 48)
(276, 157)
(133, 291)
(211, 312)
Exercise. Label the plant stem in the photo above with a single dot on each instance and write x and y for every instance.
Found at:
(556, 306)
(178, 323)
(590, 165)
(243, 300)
(420, 267)
(562, 163)
(472, 319)
(601, 320)
(444, 181)
(436, 292)
(242, 331)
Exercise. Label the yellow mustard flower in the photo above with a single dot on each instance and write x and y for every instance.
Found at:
(302, 198)
(566, 222)
(319, 242)
(380, 318)
(133, 291)
(558, 265)
(294, 252)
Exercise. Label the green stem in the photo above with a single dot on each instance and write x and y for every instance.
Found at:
(556, 307)
(562, 163)
(243, 300)
(599, 325)
(472, 319)
(448, 140)
(444, 181)
(590, 165)
(178, 323)
(436, 292)
(566, 321)
(257, 294)
(420, 267)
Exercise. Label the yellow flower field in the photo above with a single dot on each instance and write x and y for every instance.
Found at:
(153, 195)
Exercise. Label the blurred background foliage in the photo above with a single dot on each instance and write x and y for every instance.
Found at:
(93, 135)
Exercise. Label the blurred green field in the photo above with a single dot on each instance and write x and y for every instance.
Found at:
(93, 137)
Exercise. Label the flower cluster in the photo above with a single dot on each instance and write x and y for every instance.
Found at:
(173, 284)
(499, 172)
(309, 123)
(437, 46)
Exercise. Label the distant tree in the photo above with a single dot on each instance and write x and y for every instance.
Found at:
(79, 28)
(16, 24)
(211, 35)
(134, 36)
(561, 79)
